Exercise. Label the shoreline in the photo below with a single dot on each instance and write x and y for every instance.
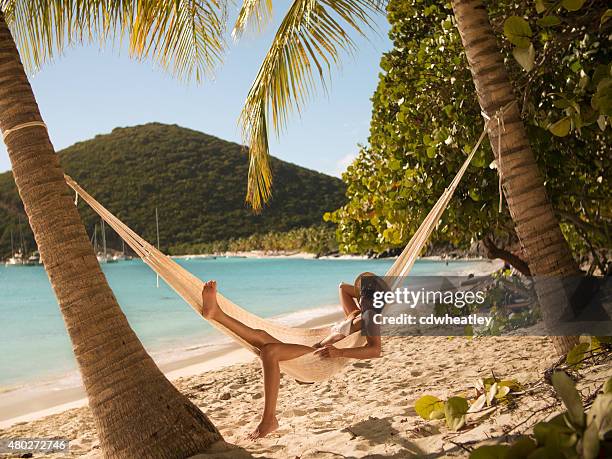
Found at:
(35, 400)
(27, 403)
(263, 254)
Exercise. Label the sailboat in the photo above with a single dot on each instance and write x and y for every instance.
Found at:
(18, 257)
(121, 256)
(103, 256)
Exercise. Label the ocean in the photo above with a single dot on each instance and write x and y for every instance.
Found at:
(35, 348)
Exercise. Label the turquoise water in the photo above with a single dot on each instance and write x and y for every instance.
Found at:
(34, 345)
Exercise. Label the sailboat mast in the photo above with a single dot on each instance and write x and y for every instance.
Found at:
(12, 244)
(157, 229)
(21, 242)
(104, 238)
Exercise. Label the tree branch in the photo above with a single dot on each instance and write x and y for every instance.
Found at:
(492, 251)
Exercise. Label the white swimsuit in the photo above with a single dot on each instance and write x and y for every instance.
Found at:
(342, 328)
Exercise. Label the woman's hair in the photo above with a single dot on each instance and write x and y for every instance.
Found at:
(366, 284)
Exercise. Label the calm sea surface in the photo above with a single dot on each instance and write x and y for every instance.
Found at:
(34, 345)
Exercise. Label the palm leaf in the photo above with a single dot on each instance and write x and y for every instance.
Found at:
(310, 39)
(182, 36)
(253, 13)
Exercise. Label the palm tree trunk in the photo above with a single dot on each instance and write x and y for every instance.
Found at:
(138, 413)
(537, 227)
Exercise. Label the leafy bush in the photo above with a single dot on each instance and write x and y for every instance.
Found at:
(571, 434)
(489, 391)
(426, 118)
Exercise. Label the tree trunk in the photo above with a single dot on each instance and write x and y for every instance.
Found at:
(137, 411)
(537, 227)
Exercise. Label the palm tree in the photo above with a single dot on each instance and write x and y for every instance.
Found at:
(309, 39)
(137, 411)
(537, 228)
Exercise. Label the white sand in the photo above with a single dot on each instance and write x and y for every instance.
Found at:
(368, 411)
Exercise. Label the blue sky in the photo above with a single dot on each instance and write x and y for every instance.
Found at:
(90, 91)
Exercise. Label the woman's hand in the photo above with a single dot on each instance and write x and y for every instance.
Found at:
(329, 352)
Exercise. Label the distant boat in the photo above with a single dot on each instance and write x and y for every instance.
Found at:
(34, 259)
(15, 260)
(103, 255)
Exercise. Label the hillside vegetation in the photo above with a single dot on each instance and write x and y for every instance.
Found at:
(197, 182)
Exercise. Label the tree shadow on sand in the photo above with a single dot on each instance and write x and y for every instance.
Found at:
(223, 450)
(380, 431)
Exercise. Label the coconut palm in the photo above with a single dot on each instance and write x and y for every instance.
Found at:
(309, 40)
(536, 225)
(137, 411)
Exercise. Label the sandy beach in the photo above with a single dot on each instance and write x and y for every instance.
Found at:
(367, 411)
(33, 402)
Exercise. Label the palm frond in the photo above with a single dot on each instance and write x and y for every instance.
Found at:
(182, 36)
(310, 39)
(253, 13)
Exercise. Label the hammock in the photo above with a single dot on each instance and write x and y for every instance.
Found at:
(309, 367)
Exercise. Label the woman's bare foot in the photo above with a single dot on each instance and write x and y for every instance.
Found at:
(210, 307)
(265, 427)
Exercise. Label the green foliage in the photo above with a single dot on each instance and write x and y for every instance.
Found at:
(426, 119)
(197, 183)
(489, 391)
(319, 240)
(587, 347)
(568, 435)
(500, 305)
(429, 407)
(455, 410)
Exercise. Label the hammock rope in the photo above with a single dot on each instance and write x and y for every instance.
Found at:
(21, 126)
(307, 368)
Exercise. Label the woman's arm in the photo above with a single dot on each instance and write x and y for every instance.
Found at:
(348, 298)
(371, 350)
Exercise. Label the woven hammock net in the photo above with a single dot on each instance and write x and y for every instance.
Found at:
(309, 367)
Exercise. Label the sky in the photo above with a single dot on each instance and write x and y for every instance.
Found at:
(90, 91)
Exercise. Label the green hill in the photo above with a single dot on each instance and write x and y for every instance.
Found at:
(197, 182)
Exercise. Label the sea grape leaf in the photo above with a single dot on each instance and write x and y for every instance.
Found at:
(455, 409)
(491, 393)
(572, 5)
(518, 31)
(549, 21)
(600, 414)
(607, 387)
(554, 435)
(489, 452)
(590, 442)
(602, 99)
(566, 389)
(541, 6)
(521, 448)
(478, 404)
(577, 353)
(525, 57)
(562, 127)
(425, 405)
(502, 391)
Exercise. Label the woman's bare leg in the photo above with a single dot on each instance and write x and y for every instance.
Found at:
(271, 356)
(212, 311)
(272, 352)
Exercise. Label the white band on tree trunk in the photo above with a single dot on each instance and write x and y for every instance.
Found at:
(6, 133)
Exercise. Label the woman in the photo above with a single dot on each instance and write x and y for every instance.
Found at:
(355, 299)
